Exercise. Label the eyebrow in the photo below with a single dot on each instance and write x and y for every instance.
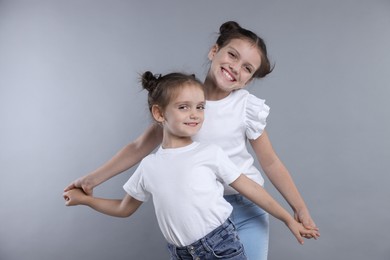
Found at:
(239, 54)
(187, 102)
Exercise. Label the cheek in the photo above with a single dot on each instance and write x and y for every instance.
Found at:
(247, 78)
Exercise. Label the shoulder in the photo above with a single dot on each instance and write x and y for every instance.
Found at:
(149, 159)
(240, 94)
(212, 152)
(249, 99)
(209, 151)
(209, 147)
(256, 113)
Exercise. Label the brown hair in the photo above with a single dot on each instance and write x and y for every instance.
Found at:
(232, 30)
(163, 88)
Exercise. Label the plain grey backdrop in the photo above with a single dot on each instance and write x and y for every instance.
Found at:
(70, 99)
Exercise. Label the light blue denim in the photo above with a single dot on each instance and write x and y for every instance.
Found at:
(252, 224)
(221, 243)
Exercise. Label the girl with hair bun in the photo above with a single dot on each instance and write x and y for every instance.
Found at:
(185, 179)
(234, 117)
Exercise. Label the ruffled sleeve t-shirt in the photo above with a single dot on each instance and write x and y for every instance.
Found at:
(229, 123)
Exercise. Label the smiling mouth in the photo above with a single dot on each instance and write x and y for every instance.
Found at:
(228, 75)
(191, 124)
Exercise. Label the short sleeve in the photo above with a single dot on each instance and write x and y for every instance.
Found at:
(256, 114)
(135, 186)
(227, 170)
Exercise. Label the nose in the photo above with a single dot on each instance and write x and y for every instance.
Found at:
(234, 67)
(194, 114)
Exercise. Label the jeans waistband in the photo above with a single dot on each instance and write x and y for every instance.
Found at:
(199, 243)
(234, 198)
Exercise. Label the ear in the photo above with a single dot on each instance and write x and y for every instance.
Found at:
(213, 51)
(157, 113)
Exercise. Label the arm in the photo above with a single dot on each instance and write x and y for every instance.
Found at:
(117, 208)
(281, 178)
(257, 194)
(130, 155)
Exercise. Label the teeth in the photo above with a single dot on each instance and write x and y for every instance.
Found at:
(227, 75)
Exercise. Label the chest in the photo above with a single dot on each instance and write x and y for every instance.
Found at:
(222, 124)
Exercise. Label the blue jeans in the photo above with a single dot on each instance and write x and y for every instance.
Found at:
(252, 224)
(221, 243)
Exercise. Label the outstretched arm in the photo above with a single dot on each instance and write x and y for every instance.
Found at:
(117, 208)
(257, 194)
(130, 155)
(281, 179)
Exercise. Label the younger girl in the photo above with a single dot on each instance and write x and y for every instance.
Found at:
(185, 179)
(234, 117)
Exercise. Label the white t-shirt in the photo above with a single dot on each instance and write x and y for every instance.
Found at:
(186, 186)
(229, 123)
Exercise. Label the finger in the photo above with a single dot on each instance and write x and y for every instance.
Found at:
(299, 237)
(309, 223)
(66, 197)
(300, 240)
(70, 187)
(314, 234)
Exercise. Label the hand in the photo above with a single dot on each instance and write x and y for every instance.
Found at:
(301, 232)
(74, 197)
(303, 217)
(83, 183)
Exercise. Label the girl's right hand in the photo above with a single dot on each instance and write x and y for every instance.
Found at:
(74, 197)
(82, 183)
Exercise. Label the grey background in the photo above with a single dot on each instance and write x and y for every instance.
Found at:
(70, 99)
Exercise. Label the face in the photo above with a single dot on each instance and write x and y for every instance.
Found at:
(184, 114)
(233, 66)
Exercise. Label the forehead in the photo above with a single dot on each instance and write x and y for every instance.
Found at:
(192, 92)
(247, 49)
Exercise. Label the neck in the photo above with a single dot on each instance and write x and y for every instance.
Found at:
(212, 91)
(175, 141)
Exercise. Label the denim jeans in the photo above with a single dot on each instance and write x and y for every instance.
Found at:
(221, 243)
(252, 225)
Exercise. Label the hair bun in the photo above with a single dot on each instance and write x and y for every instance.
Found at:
(228, 27)
(149, 80)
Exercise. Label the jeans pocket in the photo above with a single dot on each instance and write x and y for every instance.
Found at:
(228, 248)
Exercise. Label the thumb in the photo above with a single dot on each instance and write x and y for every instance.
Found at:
(299, 238)
(87, 189)
(70, 187)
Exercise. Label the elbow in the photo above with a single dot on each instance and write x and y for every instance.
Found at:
(128, 214)
(125, 214)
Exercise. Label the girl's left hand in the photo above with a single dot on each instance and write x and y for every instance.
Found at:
(303, 216)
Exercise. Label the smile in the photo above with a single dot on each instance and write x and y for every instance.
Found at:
(228, 75)
(191, 124)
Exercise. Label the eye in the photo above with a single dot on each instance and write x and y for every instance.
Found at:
(181, 107)
(200, 107)
(248, 69)
(231, 54)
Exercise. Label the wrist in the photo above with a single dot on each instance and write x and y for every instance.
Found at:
(89, 182)
(299, 208)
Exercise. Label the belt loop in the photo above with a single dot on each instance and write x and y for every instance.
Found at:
(173, 250)
(231, 221)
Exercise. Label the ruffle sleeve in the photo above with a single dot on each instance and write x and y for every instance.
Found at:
(256, 114)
